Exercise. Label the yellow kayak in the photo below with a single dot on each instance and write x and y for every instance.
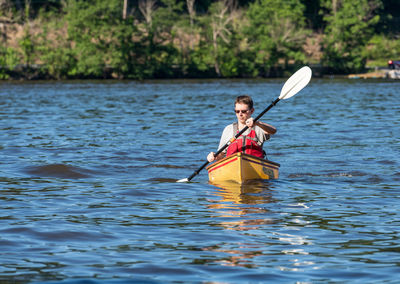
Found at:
(242, 167)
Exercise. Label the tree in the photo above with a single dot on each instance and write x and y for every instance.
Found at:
(276, 32)
(218, 22)
(350, 25)
(125, 9)
(160, 54)
(8, 60)
(147, 8)
(101, 41)
(381, 49)
(191, 11)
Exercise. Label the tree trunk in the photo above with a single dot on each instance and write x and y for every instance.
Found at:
(191, 10)
(124, 11)
(147, 8)
(215, 45)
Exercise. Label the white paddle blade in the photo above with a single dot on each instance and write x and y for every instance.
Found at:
(183, 180)
(296, 83)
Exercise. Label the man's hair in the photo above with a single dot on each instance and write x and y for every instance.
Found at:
(244, 100)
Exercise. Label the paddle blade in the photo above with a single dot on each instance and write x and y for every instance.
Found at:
(296, 83)
(183, 180)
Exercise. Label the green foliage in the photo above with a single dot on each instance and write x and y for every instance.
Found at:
(54, 49)
(90, 39)
(202, 59)
(167, 15)
(8, 60)
(276, 31)
(87, 23)
(381, 49)
(237, 63)
(350, 26)
(27, 47)
(219, 33)
(101, 39)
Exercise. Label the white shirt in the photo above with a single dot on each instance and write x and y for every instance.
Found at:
(228, 133)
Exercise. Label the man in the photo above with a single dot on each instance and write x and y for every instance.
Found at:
(252, 139)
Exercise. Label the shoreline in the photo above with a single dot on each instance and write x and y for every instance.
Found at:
(377, 74)
(38, 73)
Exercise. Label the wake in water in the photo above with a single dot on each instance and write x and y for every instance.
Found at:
(332, 174)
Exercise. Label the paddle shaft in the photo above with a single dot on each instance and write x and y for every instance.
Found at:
(236, 136)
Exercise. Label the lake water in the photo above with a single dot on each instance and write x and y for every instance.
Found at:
(88, 191)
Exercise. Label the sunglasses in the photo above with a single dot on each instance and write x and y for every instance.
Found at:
(242, 111)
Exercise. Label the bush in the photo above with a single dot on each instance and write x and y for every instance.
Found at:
(8, 61)
(381, 49)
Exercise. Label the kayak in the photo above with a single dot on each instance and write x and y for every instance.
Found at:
(241, 167)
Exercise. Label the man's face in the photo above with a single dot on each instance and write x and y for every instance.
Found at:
(243, 112)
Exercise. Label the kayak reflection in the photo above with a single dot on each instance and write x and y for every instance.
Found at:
(237, 204)
(241, 207)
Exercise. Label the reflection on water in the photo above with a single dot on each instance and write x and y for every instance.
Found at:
(251, 192)
(58, 170)
(242, 256)
(240, 205)
(243, 207)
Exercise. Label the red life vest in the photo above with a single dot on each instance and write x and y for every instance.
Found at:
(247, 144)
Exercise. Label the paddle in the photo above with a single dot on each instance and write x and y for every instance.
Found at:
(293, 85)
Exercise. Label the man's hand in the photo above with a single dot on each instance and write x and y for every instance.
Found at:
(211, 157)
(250, 122)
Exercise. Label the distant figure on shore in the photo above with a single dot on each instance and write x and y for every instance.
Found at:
(392, 64)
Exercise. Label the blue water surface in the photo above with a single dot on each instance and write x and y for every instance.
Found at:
(88, 190)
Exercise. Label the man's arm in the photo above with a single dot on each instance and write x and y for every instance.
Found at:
(268, 128)
(225, 137)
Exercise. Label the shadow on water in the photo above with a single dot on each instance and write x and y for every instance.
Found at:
(162, 180)
(165, 166)
(59, 171)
